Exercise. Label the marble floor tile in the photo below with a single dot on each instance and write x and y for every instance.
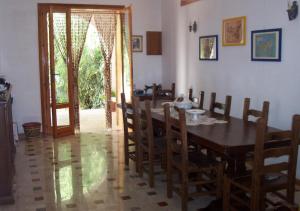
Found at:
(85, 172)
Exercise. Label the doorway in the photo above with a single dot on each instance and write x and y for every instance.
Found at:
(68, 80)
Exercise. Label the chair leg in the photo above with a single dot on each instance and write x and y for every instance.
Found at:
(220, 175)
(169, 179)
(151, 169)
(184, 196)
(126, 152)
(226, 194)
(137, 159)
(141, 161)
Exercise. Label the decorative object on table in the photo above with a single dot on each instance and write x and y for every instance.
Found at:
(266, 45)
(193, 27)
(183, 103)
(185, 2)
(32, 129)
(234, 31)
(195, 114)
(137, 43)
(292, 10)
(208, 47)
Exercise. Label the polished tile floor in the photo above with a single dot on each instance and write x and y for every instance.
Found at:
(85, 172)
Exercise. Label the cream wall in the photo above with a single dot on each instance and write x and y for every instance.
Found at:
(19, 49)
(234, 73)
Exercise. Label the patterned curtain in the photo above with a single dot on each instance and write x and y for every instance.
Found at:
(79, 26)
(59, 26)
(80, 22)
(106, 27)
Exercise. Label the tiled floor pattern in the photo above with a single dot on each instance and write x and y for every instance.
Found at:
(85, 172)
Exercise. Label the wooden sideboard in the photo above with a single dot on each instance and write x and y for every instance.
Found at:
(7, 150)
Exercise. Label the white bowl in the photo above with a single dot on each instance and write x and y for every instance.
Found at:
(195, 113)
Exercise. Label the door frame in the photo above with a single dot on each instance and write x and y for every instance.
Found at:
(43, 9)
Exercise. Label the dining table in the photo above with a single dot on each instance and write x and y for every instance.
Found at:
(232, 140)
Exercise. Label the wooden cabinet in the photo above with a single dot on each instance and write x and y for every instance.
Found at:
(7, 150)
(154, 43)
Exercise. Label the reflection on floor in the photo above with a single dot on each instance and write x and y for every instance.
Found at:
(84, 172)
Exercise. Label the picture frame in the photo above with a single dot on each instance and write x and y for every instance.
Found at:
(137, 43)
(234, 31)
(266, 45)
(185, 2)
(208, 48)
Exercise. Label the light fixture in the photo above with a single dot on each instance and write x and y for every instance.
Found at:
(193, 27)
(292, 10)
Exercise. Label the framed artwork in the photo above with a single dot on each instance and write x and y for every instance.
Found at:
(137, 43)
(266, 45)
(234, 31)
(185, 2)
(208, 47)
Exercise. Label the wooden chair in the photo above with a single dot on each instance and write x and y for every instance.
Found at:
(163, 94)
(266, 178)
(264, 113)
(130, 144)
(199, 100)
(152, 150)
(222, 106)
(194, 169)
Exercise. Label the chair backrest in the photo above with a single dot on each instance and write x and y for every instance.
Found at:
(222, 106)
(176, 133)
(269, 145)
(264, 113)
(163, 94)
(127, 113)
(200, 99)
(143, 121)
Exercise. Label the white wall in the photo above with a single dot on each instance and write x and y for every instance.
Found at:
(19, 49)
(234, 73)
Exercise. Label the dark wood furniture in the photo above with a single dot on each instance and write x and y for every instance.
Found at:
(154, 43)
(163, 94)
(152, 150)
(195, 169)
(264, 113)
(7, 150)
(265, 177)
(225, 107)
(199, 100)
(130, 144)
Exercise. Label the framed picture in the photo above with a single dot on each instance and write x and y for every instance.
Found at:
(185, 2)
(266, 45)
(234, 31)
(137, 43)
(208, 47)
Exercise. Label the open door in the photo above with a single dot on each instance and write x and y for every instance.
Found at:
(61, 99)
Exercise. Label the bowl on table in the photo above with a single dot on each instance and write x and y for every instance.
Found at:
(195, 114)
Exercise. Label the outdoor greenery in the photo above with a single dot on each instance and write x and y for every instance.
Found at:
(91, 79)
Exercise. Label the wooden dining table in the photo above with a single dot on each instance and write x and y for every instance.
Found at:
(232, 141)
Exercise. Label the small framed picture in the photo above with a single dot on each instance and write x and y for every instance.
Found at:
(234, 31)
(185, 2)
(208, 47)
(266, 45)
(137, 43)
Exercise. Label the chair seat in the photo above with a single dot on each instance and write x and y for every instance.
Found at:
(272, 182)
(197, 162)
